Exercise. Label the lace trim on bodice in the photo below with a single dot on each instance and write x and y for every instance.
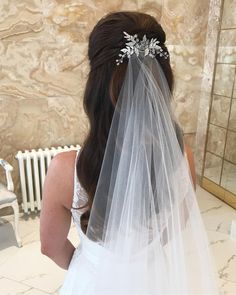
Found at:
(80, 197)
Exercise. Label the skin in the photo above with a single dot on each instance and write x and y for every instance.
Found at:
(55, 217)
(190, 158)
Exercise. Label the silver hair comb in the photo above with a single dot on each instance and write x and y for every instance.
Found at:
(135, 46)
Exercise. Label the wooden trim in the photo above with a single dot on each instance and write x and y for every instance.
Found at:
(219, 192)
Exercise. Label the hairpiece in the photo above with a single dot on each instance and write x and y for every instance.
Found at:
(135, 46)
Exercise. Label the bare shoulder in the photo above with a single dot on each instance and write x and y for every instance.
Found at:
(64, 159)
(188, 150)
(59, 181)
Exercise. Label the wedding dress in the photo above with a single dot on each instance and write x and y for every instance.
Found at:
(79, 277)
(82, 270)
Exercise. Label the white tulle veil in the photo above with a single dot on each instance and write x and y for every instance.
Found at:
(145, 219)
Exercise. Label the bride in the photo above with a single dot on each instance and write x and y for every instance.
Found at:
(130, 189)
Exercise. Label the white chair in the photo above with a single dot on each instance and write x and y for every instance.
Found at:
(8, 198)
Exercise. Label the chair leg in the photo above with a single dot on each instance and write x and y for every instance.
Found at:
(15, 207)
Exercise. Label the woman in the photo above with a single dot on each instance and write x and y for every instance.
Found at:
(129, 189)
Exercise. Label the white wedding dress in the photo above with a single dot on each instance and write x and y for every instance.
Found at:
(79, 278)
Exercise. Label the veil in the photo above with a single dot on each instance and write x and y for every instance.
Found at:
(145, 220)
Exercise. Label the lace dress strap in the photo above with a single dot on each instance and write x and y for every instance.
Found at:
(80, 196)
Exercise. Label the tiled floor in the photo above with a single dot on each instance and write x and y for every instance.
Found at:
(26, 271)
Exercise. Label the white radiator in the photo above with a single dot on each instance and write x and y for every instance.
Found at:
(33, 166)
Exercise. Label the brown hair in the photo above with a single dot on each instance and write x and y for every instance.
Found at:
(103, 86)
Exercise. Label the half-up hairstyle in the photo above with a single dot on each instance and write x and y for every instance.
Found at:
(103, 86)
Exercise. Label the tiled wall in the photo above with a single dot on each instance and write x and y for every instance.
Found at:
(220, 162)
(44, 66)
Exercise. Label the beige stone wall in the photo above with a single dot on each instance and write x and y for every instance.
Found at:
(44, 66)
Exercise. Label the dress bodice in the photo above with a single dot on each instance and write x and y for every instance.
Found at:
(80, 198)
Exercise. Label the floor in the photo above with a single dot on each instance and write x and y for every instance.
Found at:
(26, 271)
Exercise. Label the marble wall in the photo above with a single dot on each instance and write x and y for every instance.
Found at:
(43, 48)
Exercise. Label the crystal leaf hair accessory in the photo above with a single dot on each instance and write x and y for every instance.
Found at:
(135, 46)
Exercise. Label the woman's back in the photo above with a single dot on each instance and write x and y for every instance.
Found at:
(82, 266)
